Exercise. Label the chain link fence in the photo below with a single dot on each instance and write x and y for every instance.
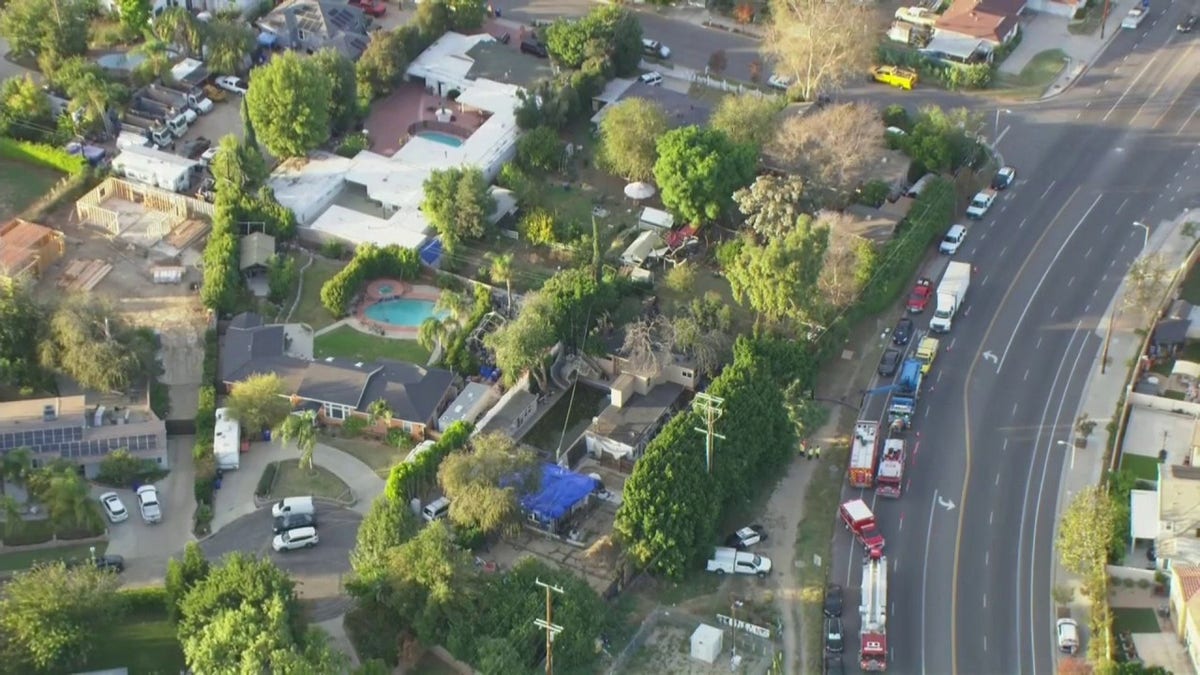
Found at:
(758, 653)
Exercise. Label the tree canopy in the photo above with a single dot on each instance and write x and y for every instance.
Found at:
(228, 42)
(90, 342)
(458, 204)
(608, 33)
(54, 29)
(748, 118)
(629, 133)
(485, 485)
(834, 148)
(1085, 532)
(772, 205)
(289, 104)
(258, 402)
(339, 70)
(381, 66)
(698, 170)
(821, 45)
(778, 279)
(22, 322)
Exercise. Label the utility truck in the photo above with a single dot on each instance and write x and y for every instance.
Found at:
(727, 560)
(873, 610)
(175, 121)
(147, 129)
(907, 389)
(862, 454)
(951, 293)
(171, 99)
(888, 482)
(227, 438)
(860, 520)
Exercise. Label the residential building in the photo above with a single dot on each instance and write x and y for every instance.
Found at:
(470, 405)
(255, 252)
(1178, 515)
(1185, 609)
(155, 168)
(971, 30)
(682, 110)
(28, 249)
(337, 389)
(636, 413)
(312, 25)
(82, 429)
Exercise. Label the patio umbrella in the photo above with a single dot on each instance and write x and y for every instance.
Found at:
(639, 190)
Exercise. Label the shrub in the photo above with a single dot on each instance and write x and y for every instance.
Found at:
(398, 438)
(537, 228)
(369, 262)
(354, 427)
(407, 478)
(42, 155)
(160, 399)
(204, 485)
(121, 469)
(874, 193)
(540, 150)
(353, 144)
(202, 524)
(681, 278)
(267, 480)
(974, 76)
(896, 115)
(512, 177)
(146, 601)
(456, 355)
(1143, 583)
(727, 252)
(333, 249)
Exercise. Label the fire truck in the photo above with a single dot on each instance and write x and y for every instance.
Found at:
(863, 454)
(873, 634)
(891, 469)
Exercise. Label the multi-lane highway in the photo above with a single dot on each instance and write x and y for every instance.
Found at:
(970, 586)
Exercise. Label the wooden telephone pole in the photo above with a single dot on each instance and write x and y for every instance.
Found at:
(710, 408)
(548, 624)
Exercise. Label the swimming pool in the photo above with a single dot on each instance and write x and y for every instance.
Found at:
(439, 137)
(401, 312)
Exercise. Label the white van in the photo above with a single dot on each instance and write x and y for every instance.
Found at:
(436, 509)
(732, 561)
(290, 540)
(293, 505)
(919, 186)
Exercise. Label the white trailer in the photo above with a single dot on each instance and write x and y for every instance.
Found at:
(227, 441)
(950, 295)
(156, 168)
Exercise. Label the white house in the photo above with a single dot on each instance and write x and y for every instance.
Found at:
(154, 167)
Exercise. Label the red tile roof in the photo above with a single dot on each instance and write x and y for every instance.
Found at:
(1189, 579)
(989, 20)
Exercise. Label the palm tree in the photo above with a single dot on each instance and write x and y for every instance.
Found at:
(454, 306)
(15, 467)
(432, 331)
(379, 411)
(502, 270)
(67, 500)
(12, 515)
(157, 53)
(177, 26)
(302, 430)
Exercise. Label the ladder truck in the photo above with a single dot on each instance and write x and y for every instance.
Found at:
(863, 454)
(873, 633)
(891, 469)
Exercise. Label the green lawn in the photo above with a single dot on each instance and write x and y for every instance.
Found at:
(1145, 468)
(1035, 77)
(291, 480)
(1134, 620)
(574, 416)
(379, 456)
(144, 644)
(310, 310)
(347, 342)
(21, 185)
(22, 560)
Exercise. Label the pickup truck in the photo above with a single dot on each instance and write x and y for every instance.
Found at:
(1134, 18)
(728, 560)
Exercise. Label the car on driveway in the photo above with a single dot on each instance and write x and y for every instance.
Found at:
(652, 78)
(834, 643)
(233, 85)
(148, 504)
(889, 362)
(833, 600)
(1188, 23)
(1067, 635)
(535, 48)
(1004, 178)
(293, 520)
(746, 537)
(113, 507)
(980, 204)
(903, 331)
(918, 299)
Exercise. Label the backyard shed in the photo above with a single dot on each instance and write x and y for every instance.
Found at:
(641, 248)
(257, 249)
(561, 493)
(27, 249)
(655, 219)
(707, 643)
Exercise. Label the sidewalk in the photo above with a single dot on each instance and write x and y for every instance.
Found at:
(1102, 392)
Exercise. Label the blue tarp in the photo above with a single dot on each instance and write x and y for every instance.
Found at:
(267, 39)
(431, 252)
(560, 491)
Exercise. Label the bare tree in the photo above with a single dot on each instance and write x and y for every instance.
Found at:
(649, 344)
(847, 265)
(772, 204)
(821, 44)
(834, 148)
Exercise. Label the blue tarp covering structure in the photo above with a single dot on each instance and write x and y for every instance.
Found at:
(431, 252)
(560, 491)
(267, 39)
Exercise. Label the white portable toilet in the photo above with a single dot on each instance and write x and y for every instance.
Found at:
(706, 643)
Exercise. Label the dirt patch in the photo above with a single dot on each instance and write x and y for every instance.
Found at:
(663, 645)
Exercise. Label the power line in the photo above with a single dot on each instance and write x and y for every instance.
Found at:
(552, 629)
(710, 408)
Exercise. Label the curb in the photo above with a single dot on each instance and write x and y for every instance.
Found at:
(1086, 66)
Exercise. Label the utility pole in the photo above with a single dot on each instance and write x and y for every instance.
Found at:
(547, 624)
(1104, 19)
(710, 408)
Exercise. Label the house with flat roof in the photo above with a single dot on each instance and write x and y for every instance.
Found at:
(622, 430)
(28, 249)
(1185, 609)
(336, 389)
(83, 429)
(516, 407)
(474, 400)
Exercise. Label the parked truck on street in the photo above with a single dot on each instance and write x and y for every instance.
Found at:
(951, 293)
(907, 389)
(927, 351)
(862, 454)
(888, 483)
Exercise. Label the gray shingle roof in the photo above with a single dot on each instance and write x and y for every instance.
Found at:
(336, 381)
(255, 250)
(413, 393)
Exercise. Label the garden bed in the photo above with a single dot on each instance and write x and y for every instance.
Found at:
(292, 480)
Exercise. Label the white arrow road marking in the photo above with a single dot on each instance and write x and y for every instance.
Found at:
(989, 356)
(945, 503)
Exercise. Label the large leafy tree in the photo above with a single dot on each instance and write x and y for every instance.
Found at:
(698, 170)
(387, 525)
(228, 43)
(25, 110)
(821, 45)
(485, 485)
(343, 102)
(1085, 533)
(56, 29)
(381, 66)
(432, 563)
(135, 14)
(92, 93)
(177, 26)
(944, 140)
(182, 576)
(778, 279)
(258, 402)
(610, 33)
(748, 118)
(289, 104)
(64, 493)
(22, 322)
(629, 133)
(458, 204)
(52, 617)
(89, 341)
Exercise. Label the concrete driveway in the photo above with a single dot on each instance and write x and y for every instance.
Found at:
(8, 68)
(147, 548)
(319, 571)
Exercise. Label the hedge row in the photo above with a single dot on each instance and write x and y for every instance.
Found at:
(407, 479)
(369, 262)
(457, 357)
(204, 486)
(42, 155)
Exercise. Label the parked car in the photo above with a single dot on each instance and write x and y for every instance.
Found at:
(833, 600)
(953, 240)
(1067, 634)
(113, 508)
(779, 82)
(834, 642)
(293, 521)
(981, 203)
(918, 298)
(148, 504)
(889, 362)
(746, 537)
(535, 48)
(895, 76)
(1188, 23)
(1004, 178)
(656, 49)
(107, 563)
(652, 78)
(290, 540)
(233, 85)
(214, 93)
(374, 8)
(903, 331)
(196, 147)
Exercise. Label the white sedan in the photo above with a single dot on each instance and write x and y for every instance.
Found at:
(113, 508)
(233, 84)
(148, 503)
(779, 82)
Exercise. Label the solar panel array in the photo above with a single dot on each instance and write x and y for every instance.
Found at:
(69, 442)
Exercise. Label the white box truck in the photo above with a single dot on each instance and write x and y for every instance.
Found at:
(950, 295)
(227, 441)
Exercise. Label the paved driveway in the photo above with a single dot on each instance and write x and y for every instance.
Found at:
(8, 68)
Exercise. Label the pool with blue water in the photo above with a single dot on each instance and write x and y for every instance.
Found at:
(401, 312)
(439, 137)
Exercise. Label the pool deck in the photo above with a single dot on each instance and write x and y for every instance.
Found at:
(382, 290)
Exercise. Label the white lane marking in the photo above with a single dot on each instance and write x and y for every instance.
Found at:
(1041, 281)
(1087, 253)
(1005, 446)
(1070, 282)
(1121, 206)
(952, 342)
(987, 558)
(939, 378)
(1014, 412)
(1026, 375)
(1048, 189)
(1000, 136)
(1178, 96)
(1039, 343)
(1003, 251)
(985, 278)
(1130, 87)
(1188, 120)
(1022, 223)
(1054, 312)
(925, 575)
(985, 600)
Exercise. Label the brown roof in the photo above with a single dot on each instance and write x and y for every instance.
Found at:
(984, 19)
(19, 244)
(1189, 579)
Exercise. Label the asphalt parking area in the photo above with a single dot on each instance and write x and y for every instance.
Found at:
(337, 528)
(225, 118)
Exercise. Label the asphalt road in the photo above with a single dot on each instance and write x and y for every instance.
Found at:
(969, 587)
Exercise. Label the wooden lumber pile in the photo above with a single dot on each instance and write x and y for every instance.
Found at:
(83, 275)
